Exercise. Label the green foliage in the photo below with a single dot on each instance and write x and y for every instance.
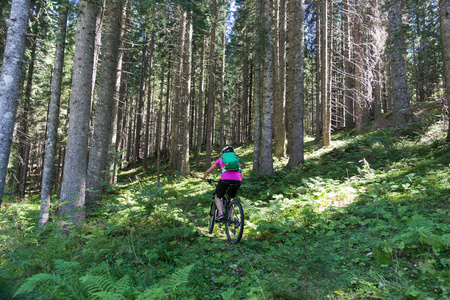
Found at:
(100, 287)
(365, 218)
(168, 288)
(58, 284)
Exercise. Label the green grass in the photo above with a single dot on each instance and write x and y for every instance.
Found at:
(366, 218)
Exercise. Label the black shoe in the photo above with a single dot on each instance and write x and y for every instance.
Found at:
(220, 218)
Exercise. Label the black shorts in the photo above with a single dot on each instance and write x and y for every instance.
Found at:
(231, 185)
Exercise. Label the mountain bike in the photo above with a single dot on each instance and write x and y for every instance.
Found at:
(234, 217)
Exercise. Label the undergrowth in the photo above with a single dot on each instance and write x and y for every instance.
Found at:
(367, 218)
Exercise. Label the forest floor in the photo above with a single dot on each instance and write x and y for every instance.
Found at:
(366, 218)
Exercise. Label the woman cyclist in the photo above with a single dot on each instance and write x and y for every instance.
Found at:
(230, 180)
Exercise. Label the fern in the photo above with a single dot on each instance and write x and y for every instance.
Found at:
(37, 280)
(158, 291)
(180, 276)
(63, 267)
(445, 240)
(427, 237)
(104, 288)
(62, 272)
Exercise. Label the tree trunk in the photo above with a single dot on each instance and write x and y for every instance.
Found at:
(279, 126)
(296, 130)
(98, 37)
(266, 167)
(222, 94)
(280, 133)
(257, 105)
(119, 95)
(24, 133)
(185, 105)
(379, 42)
(200, 104)
(149, 100)
(326, 103)
(245, 89)
(10, 81)
(402, 111)
(103, 125)
(348, 82)
(53, 117)
(159, 126)
(177, 114)
(129, 120)
(139, 117)
(358, 102)
(319, 123)
(257, 117)
(250, 98)
(444, 18)
(211, 87)
(167, 110)
(73, 187)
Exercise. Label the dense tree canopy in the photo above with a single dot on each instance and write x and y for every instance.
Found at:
(112, 110)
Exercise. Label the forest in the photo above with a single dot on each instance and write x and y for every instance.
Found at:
(111, 111)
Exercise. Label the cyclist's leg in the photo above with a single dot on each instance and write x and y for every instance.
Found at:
(232, 192)
(220, 192)
(219, 205)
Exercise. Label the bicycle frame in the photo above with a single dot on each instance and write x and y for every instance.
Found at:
(234, 222)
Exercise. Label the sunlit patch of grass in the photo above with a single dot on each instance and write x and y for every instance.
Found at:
(324, 150)
(342, 196)
(435, 132)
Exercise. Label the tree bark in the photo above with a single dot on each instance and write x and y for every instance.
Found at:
(10, 81)
(281, 133)
(73, 188)
(159, 126)
(200, 104)
(348, 82)
(319, 123)
(222, 94)
(167, 109)
(103, 124)
(24, 136)
(257, 105)
(402, 111)
(279, 126)
(149, 100)
(176, 141)
(326, 103)
(444, 18)
(211, 87)
(245, 88)
(296, 130)
(140, 108)
(119, 94)
(53, 118)
(266, 167)
(358, 101)
(185, 105)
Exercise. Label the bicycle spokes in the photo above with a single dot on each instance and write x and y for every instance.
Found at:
(235, 224)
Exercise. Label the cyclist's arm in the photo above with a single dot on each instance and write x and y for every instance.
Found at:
(209, 171)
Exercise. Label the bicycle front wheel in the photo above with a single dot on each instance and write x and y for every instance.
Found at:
(212, 217)
(235, 223)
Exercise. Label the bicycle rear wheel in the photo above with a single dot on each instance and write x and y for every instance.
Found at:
(212, 217)
(235, 223)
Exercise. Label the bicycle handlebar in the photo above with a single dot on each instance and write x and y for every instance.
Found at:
(211, 181)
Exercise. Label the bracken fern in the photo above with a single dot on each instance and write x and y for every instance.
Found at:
(159, 291)
(101, 287)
